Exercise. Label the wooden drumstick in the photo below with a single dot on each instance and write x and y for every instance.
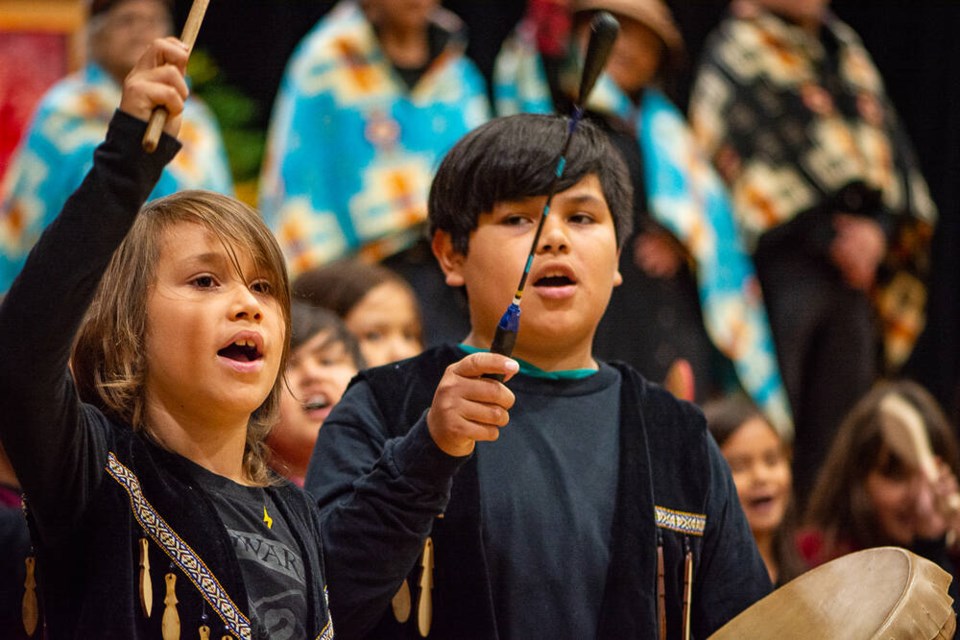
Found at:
(189, 37)
(906, 434)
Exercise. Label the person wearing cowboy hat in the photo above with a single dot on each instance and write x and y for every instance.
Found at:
(688, 281)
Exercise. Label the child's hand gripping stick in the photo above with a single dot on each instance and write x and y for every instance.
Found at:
(151, 138)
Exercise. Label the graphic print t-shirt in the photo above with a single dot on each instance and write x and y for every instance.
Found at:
(269, 555)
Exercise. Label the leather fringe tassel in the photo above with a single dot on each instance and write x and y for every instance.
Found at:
(425, 604)
(146, 584)
(687, 587)
(170, 625)
(401, 602)
(29, 609)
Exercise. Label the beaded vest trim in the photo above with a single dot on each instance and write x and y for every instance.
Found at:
(680, 521)
(327, 632)
(179, 551)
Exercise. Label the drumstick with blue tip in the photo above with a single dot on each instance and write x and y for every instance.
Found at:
(603, 32)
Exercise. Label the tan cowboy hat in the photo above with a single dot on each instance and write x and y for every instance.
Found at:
(652, 13)
(100, 6)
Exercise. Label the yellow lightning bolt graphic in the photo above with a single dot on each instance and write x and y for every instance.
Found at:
(266, 518)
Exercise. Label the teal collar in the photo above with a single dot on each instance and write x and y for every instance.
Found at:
(534, 371)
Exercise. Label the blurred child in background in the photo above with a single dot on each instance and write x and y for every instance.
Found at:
(868, 495)
(760, 462)
(324, 356)
(375, 303)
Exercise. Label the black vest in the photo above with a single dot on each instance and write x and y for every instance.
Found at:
(663, 463)
(88, 577)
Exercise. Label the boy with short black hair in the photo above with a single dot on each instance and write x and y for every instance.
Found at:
(556, 529)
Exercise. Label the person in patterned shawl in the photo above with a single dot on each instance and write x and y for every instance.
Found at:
(71, 120)
(828, 193)
(372, 98)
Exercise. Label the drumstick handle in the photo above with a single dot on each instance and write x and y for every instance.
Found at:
(189, 37)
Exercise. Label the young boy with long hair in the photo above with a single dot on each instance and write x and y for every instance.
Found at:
(150, 504)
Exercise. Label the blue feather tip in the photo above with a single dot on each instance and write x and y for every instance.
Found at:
(506, 334)
(510, 320)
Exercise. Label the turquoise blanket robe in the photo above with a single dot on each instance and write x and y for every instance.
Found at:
(57, 152)
(352, 150)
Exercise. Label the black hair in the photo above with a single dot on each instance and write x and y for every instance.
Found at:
(341, 285)
(515, 157)
(307, 320)
(726, 415)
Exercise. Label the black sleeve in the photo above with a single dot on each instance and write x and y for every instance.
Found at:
(732, 575)
(48, 434)
(378, 497)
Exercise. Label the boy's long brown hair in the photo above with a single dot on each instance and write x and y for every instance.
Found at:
(109, 363)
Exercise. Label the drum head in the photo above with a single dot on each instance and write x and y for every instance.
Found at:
(885, 592)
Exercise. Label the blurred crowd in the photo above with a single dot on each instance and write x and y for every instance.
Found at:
(780, 253)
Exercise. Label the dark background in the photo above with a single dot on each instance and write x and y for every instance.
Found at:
(915, 44)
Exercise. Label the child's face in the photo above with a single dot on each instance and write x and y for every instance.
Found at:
(317, 374)
(386, 324)
(214, 338)
(895, 491)
(129, 28)
(571, 278)
(761, 472)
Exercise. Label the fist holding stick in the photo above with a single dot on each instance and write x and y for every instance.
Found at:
(157, 80)
(468, 407)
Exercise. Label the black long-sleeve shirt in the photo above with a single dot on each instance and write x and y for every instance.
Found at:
(58, 467)
(95, 488)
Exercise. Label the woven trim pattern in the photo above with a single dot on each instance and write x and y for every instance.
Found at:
(179, 551)
(680, 521)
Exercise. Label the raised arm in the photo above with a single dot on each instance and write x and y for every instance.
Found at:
(49, 435)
